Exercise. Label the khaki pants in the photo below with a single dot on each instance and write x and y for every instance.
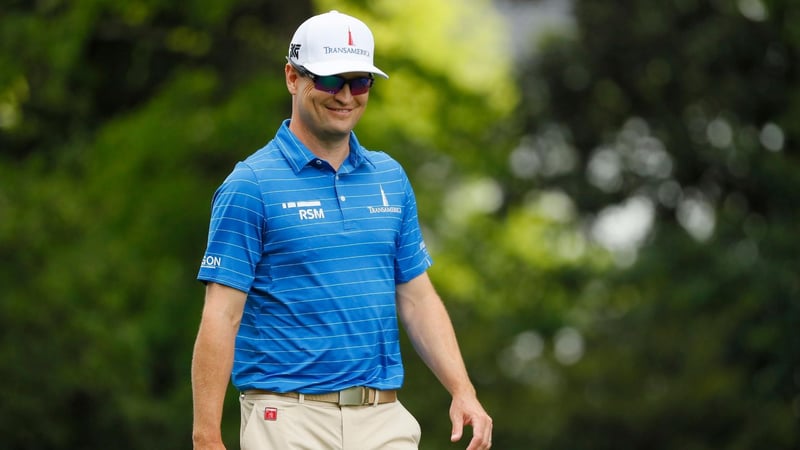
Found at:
(272, 422)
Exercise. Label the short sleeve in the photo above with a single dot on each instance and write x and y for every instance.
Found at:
(235, 231)
(412, 255)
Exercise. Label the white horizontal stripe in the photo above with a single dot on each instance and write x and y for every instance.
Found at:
(305, 326)
(327, 339)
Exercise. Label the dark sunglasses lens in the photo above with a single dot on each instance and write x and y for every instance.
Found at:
(331, 84)
(360, 86)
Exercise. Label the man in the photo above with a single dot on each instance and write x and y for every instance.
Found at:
(314, 251)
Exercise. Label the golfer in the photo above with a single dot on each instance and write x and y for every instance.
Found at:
(314, 258)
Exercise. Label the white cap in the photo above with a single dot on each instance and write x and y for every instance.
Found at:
(333, 43)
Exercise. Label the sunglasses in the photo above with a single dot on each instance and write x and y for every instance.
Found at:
(332, 84)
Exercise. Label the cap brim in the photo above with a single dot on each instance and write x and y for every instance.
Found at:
(338, 67)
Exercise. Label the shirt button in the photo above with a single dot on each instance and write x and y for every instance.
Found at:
(318, 162)
(342, 198)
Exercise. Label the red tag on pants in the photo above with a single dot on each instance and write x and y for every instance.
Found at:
(270, 413)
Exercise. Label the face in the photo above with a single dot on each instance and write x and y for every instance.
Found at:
(325, 116)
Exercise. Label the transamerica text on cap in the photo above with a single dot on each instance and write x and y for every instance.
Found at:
(356, 51)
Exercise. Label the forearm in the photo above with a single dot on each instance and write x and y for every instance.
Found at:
(211, 368)
(434, 339)
(431, 332)
(212, 361)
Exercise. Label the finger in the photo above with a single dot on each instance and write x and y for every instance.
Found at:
(479, 443)
(458, 430)
(482, 435)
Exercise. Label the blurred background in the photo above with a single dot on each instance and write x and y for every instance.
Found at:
(610, 190)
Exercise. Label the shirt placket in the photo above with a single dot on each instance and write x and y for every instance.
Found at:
(341, 189)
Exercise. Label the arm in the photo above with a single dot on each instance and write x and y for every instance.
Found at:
(429, 328)
(212, 362)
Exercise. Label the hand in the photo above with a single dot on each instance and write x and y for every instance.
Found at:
(468, 411)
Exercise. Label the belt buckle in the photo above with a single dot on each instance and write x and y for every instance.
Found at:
(354, 396)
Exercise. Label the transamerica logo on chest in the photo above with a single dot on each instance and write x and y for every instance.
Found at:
(385, 206)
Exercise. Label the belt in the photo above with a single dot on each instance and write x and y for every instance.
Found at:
(354, 396)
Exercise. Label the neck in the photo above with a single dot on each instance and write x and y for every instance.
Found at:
(333, 149)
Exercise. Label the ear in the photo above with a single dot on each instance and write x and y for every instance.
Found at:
(291, 79)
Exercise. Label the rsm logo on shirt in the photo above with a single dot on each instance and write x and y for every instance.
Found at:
(310, 214)
(306, 210)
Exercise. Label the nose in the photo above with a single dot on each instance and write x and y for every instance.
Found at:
(344, 93)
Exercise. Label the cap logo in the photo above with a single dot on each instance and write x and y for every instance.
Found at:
(294, 51)
(349, 38)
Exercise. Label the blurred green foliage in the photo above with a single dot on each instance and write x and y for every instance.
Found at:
(613, 219)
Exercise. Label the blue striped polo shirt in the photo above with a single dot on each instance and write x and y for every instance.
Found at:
(319, 253)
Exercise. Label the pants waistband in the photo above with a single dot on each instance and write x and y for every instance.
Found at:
(355, 396)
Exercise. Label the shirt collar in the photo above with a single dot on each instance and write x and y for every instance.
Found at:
(299, 156)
